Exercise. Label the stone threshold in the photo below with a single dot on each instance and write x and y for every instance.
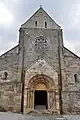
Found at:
(41, 112)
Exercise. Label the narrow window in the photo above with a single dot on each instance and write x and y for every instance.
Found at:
(45, 24)
(35, 23)
(76, 77)
(5, 75)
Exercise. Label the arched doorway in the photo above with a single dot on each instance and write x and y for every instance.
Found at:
(40, 93)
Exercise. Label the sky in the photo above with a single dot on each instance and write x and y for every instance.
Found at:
(13, 13)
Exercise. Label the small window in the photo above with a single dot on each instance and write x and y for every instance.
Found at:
(35, 23)
(5, 75)
(76, 77)
(45, 24)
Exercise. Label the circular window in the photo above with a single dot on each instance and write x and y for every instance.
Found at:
(41, 43)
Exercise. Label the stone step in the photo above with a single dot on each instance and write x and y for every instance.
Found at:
(40, 112)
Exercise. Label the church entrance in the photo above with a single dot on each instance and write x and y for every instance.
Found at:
(40, 99)
(40, 94)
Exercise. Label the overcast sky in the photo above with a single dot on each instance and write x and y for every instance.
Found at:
(13, 13)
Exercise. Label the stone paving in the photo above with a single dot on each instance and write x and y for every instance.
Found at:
(14, 116)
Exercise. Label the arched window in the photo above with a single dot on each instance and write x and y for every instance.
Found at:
(76, 77)
(45, 24)
(35, 23)
(5, 75)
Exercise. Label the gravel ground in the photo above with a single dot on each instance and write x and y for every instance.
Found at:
(14, 116)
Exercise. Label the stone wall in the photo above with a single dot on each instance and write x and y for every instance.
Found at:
(31, 54)
(10, 88)
(71, 105)
(72, 66)
(10, 96)
(71, 93)
(9, 64)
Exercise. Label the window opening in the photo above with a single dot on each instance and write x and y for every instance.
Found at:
(76, 77)
(35, 23)
(5, 75)
(45, 24)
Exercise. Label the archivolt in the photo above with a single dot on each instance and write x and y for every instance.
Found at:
(40, 78)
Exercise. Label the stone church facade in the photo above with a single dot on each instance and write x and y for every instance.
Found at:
(40, 74)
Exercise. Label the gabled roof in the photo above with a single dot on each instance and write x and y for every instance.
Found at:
(45, 13)
(5, 53)
(68, 53)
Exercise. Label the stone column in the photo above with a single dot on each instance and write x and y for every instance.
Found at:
(27, 100)
(57, 102)
(30, 98)
(51, 100)
(54, 101)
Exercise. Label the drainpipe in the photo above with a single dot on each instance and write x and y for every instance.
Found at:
(60, 77)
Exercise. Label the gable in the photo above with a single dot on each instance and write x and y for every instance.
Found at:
(41, 67)
(40, 17)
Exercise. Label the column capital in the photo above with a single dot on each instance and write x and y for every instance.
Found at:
(51, 90)
(30, 89)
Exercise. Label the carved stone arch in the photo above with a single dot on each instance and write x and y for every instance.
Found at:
(41, 79)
